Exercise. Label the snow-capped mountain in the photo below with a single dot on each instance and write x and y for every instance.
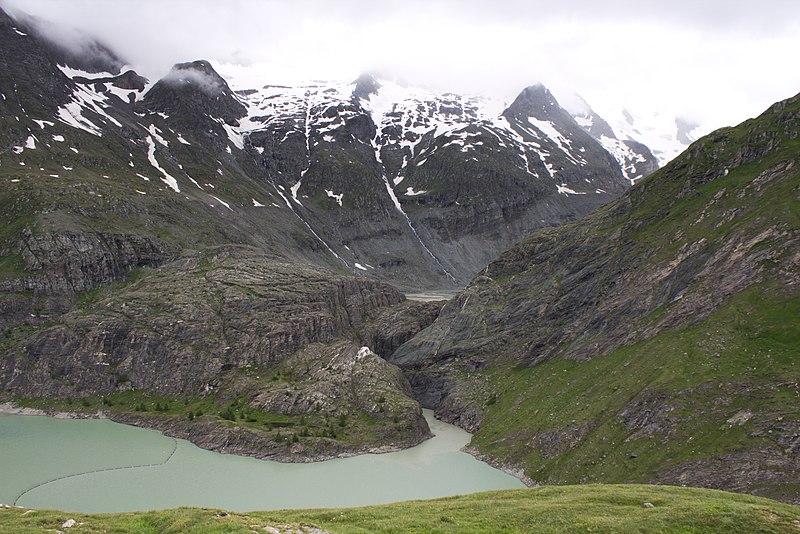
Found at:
(625, 132)
(372, 176)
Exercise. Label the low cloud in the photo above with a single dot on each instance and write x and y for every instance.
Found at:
(180, 77)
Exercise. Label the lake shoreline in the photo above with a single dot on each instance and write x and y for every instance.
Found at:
(170, 429)
(211, 436)
(96, 465)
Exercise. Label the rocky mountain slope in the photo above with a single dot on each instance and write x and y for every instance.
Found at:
(655, 340)
(413, 187)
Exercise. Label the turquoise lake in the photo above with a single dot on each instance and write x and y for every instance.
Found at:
(101, 466)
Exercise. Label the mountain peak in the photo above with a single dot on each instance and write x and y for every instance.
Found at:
(366, 84)
(198, 75)
(196, 88)
(535, 100)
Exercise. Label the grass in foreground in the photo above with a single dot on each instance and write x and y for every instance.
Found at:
(554, 509)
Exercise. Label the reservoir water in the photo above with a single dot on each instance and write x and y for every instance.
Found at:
(101, 466)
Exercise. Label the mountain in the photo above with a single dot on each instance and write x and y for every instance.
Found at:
(642, 140)
(443, 182)
(173, 246)
(654, 340)
(635, 159)
(223, 264)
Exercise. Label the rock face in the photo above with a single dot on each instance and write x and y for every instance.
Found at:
(68, 263)
(665, 297)
(178, 329)
(386, 329)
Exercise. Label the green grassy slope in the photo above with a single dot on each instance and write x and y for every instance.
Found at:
(593, 508)
(663, 408)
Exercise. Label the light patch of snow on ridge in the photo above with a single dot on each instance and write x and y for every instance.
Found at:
(257, 204)
(20, 33)
(151, 156)
(42, 124)
(71, 114)
(361, 267)
(222, 202)
(156, 133)
(411, 193)
(86, 100)
(295, 188)
(182, 140)
(549, 129)
(59, 138)
(626, 157)
(70, 73)
(337, 198)
(567, 191)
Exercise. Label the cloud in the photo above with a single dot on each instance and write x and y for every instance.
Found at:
(188, 75)
(715, 62)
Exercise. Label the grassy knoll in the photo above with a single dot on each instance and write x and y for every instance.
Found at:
(591, 508)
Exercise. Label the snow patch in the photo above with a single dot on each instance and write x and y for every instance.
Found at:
(156, 133)
(71, 115)
(151, 156)
(294, 189)
(411, 193)
(567, 191)
(337, 198)
(222, 202)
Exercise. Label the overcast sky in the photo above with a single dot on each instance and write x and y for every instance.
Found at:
(716, 62)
